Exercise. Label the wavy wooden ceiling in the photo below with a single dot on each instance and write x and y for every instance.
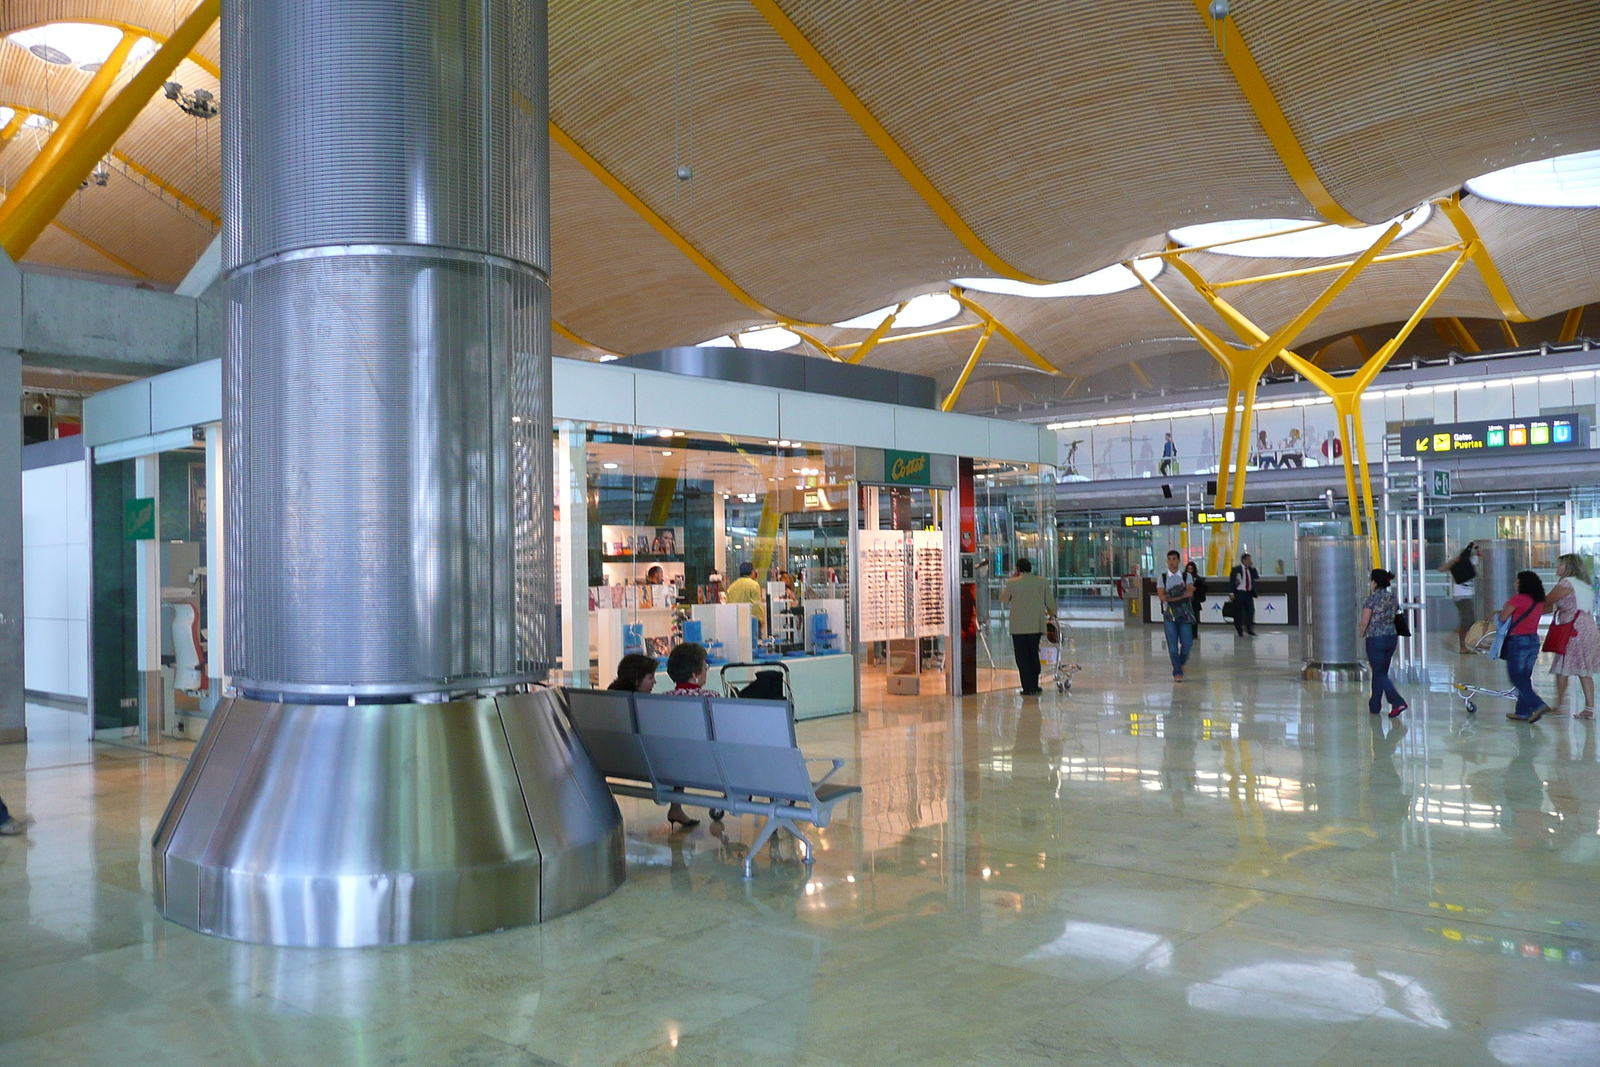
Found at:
(1065, 134)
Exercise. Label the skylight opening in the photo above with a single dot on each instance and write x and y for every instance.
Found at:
(925, 310)
(764, 339)
(1112, 279)
(1565, 181)
(1324, 242)
(78, 44)
(6, 115)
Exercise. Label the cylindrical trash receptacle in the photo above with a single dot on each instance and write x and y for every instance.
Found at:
(1333, 582)
(1499, 560)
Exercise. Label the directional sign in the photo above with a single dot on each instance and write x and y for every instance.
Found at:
(1254, 513)
(1201, 516)
(1539, 433)
(1440, 486)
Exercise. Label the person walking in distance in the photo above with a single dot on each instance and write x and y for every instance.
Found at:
(1033, 610)
(1177, 613)
(9, 826)
(1377, 626)
(746, 590)
(1462, 574)
(1242, 583)
(1520, 649)
(1169, 456)
(1572, 600)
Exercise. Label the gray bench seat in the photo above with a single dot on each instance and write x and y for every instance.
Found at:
(710, 752)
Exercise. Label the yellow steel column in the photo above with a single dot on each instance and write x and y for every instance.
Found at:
(1027, 350)
(1242, 445)
(71, 127)
(1371, 512)
(876, 335)
(9, 130)
(1224, 459)
(966, 372)
(1570, 324)
(1451, 206)
(31, 214)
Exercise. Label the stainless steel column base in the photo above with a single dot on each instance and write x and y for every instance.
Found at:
(1333, 673)
(326, 825)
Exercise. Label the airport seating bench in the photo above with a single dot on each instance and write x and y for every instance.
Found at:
(710, 752)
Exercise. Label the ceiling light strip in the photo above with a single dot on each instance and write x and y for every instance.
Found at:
(1451, 206)
(659, 224)
(1274, 123)
(807, 53)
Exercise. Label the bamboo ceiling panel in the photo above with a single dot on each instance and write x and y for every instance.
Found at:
(57, 248)
(1549, 257)
(1395, 99)
(185, 152)
(618, 283)
(1058, 130)
(789, 197)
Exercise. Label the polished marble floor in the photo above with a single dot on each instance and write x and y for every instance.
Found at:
(1242, 869)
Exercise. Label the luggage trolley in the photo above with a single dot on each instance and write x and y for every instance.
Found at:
(1052, 658)
(1482, 644)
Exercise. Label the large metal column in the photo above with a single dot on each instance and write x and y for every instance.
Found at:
(13, 709)
(381, 777)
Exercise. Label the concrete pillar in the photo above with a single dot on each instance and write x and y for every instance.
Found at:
(13, 713)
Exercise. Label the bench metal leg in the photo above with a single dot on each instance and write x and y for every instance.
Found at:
(770, 828)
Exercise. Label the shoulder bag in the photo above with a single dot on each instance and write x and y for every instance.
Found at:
(1502, 630)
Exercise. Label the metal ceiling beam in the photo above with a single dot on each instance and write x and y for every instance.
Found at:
(1570, 324)
(657, 223)
(1253, 84)
(126, 160)
(575, 339)
(1451, 206)
(70, 128)
(807, 53)
(21, 227)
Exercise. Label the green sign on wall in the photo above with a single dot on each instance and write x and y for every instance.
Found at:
(139, 519)
(906, 468)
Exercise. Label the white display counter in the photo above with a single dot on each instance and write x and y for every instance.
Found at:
(823, 685)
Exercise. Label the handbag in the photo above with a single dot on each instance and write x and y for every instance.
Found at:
(1402, 624)
(1229, 610)
(1559, 636)
(1052, 632)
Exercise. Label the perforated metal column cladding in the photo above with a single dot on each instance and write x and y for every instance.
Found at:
(386, 186)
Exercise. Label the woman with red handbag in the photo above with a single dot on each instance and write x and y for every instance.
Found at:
(1573, 636)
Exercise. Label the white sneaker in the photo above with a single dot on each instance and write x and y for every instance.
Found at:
(12, 828)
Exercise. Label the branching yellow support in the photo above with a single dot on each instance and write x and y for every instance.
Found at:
(1003, 330)
(1244, 367)
(876, 335)
(1451, 206)
(22, 225)
(966, 372)
(1569, 325)
(70, 128)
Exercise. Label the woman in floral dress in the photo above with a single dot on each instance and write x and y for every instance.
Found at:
(1572, 600)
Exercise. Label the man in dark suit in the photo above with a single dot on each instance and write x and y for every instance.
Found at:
(1242, 584)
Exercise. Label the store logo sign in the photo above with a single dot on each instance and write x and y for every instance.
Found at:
(906, 468)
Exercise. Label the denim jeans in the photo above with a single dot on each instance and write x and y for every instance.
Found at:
(1380, 651)
(1522, 652)
(1180, 635)
(4, 814)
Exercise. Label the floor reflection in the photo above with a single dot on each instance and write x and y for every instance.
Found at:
(1243, 868)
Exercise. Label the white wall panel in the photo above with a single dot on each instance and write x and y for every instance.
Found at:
(919, 430)
(1583, 392)
(47, 656)
(191, 396)
(674, 401)
(1524, 401)
(1013, 440)
(55, 579)
(1555, 395)
(591, 392)
(1473, 405)
(834, 420)
(117, 414)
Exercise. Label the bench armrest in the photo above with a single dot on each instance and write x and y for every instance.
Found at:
(837, 763)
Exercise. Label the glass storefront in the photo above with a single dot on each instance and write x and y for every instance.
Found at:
(850, 583)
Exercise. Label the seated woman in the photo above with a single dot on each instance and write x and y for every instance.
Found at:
(637, 674)
(686, 666)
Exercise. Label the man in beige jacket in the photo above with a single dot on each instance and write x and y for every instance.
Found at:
(1033, 606)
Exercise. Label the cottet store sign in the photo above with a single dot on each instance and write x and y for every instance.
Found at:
(1502, 436)
(906, 468)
